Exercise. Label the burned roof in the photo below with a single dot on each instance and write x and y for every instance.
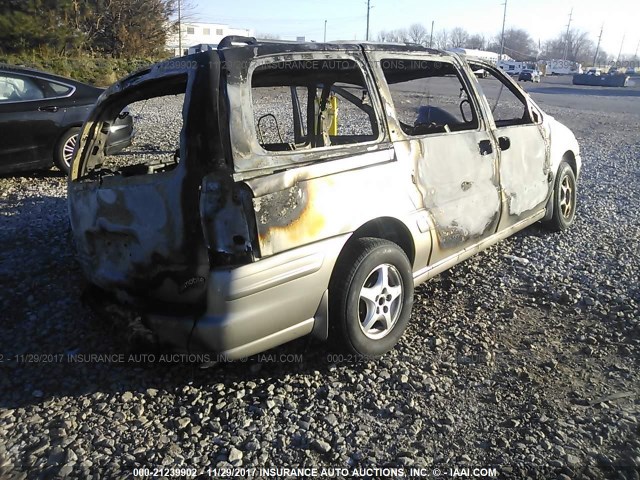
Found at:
(265, 47)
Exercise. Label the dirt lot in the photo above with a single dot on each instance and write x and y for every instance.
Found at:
(523, 359)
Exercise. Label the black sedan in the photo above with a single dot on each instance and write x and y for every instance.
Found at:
(40, 118)
(529, 76)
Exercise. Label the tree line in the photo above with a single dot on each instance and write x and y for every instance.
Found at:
(116, 28)
(139, 28)
(574, 46)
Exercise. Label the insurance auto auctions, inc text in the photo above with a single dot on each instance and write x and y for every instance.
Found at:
(376, 472)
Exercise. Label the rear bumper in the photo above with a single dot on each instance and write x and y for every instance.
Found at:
(258, 306)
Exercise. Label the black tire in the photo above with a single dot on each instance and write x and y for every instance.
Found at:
(64, 149)
(564, 199)
(386, 314)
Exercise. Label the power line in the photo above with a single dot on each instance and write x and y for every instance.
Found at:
(278, 20)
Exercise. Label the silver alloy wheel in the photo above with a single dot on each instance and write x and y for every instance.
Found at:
(380, 301)
(567, 192)
(67, 149)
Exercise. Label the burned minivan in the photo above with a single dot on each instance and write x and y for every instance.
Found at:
(277, 189)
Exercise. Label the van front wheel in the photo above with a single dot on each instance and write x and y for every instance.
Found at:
(370, 295)
(564, 198)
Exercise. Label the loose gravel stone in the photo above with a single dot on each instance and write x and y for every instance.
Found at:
(127, 396)
(234, 455)
(320, 446)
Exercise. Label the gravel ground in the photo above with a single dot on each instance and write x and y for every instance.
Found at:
(524, 358)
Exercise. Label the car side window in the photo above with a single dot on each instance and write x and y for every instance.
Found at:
(429, 96)
(17, 88)
(58, 89)
(507, 106)
(309, 104)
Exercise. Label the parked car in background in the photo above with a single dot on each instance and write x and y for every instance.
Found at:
(41, 115)
(313, 186)
(481, 73)
(529, 76)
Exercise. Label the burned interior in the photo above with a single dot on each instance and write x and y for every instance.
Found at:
(289, 97)
(429, 96)
(144, 156)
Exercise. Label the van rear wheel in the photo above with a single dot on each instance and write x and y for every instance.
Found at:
(370, 295)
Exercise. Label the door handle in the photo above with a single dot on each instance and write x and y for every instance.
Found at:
(49, 108)
(504, 143)
(485, 147)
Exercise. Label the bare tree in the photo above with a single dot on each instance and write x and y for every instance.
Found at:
(417, 33)
(394, 36)
(476, 41)
(458, 37)
(517, 44)
(577, 45)
(553, 49)
(441, 39)
(398, 36)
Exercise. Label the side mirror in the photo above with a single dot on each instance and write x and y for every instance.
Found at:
(466, 110)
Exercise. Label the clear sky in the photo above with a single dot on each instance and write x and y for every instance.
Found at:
(346, 19)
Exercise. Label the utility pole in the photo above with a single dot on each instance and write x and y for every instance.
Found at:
(179, 29)
(566, 37)
(325, 31)
(635, 56)
(620, 51)
(368, 12)
(595, 57)
(431, 36)
(504, 19)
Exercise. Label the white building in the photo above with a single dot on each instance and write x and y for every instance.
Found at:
(195, 33)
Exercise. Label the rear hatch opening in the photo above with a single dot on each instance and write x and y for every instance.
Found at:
(136, 215)
(157, 113)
